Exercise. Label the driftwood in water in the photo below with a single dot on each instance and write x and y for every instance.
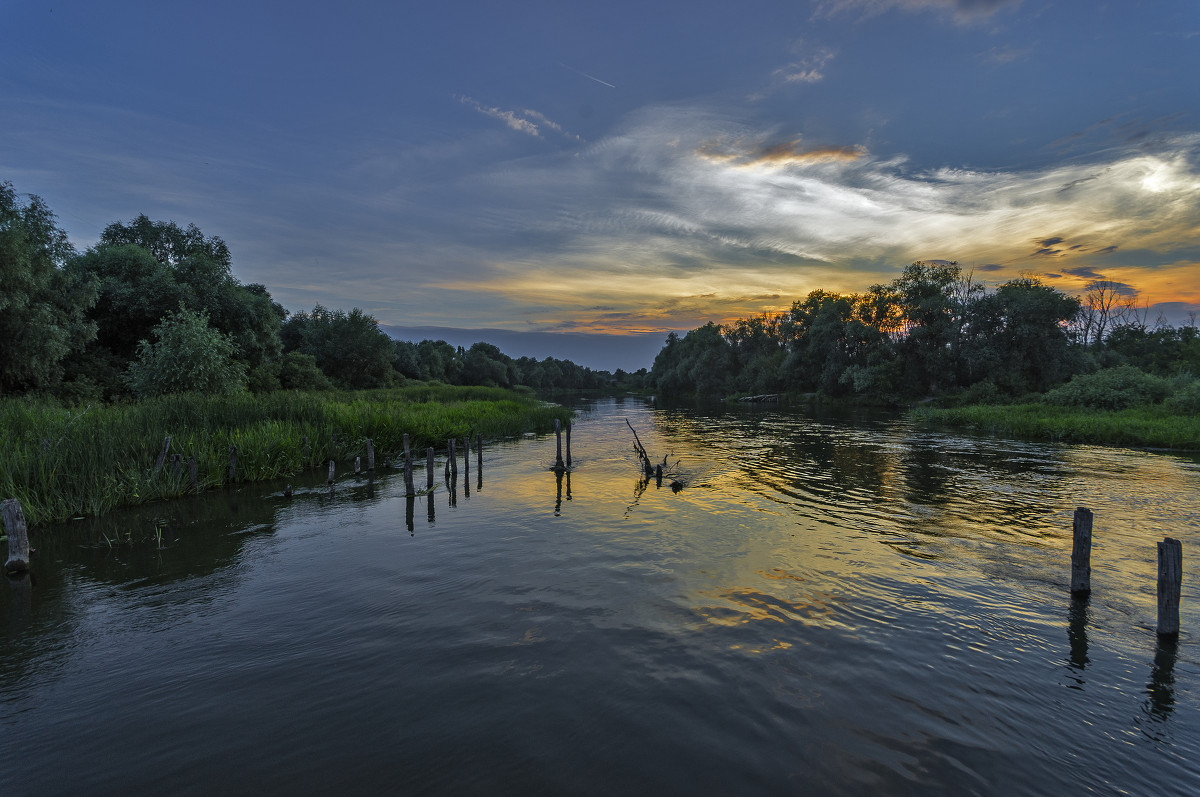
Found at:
(760, 399)
(647, 466)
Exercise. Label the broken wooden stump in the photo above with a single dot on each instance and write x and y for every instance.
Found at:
(18, 537)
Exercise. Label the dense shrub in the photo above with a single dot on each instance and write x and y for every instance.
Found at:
(187, 355)
(1185, 400)
(1110, 389)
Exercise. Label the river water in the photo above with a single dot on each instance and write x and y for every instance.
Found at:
(827, 606)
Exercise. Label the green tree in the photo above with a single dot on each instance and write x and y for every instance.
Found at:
(42, 304)
(349, 348)
(186, 355)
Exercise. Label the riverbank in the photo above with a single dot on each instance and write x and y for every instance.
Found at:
(1144, 427)
(83, 461)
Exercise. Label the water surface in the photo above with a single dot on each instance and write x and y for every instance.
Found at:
(829, 605)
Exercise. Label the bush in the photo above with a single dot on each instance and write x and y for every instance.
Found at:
(1110, 389)
(300, 372)
(1185, 400)
(187, 356)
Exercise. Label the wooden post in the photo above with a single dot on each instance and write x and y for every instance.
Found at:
(1170, 579)
(408, 511)
(568, 445)
(466, 457)
(370, 455)
(1081, 553)
(331, 473)
(232, 462)
(162, 456)
(357, 465)
(429, 466)
(479, 449)
(409, 489)
(558, 459)
(176, 464)
(453, 458)
(18, 539)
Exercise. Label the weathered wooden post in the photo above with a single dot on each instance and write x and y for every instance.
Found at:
(453, 459)
(429, 467)
(409, 489)
(370, 455)
(568, 445)
(1170, 580)
(558, 457)
(466, 457)
(18, 538)
(357, 465)
(408, 511)
(232, 463)
(1081, 553)
(162, 455)
(479, 461)
(331, 473)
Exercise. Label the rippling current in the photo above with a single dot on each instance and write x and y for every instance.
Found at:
(827, 606)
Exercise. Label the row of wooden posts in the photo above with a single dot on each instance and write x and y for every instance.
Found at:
(410, 489)
(1170, 572)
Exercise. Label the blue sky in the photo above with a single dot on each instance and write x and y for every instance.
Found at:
(620, 167)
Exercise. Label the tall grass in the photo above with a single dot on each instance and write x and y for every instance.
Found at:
(1147, 426)
(65, 462)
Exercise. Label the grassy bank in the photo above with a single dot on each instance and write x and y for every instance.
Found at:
(64, 463)
(1149, 427)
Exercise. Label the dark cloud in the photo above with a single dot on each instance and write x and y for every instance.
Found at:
(1086, 272)
(989, 267)
(1123, 288)
(1047, 242)
(1052, 276)
(1106, 250)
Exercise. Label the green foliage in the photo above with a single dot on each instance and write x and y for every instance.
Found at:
(65, 462)
(1137, 426)
(349, 348)
(299, 371)
(701, 364)
(187, 356)
(42, 304)
(1185, 400)
(1110, 389)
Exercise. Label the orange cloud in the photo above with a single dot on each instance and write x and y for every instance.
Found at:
(777, 155)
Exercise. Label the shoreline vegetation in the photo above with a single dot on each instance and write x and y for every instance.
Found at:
(69, 462)
(1136, 427)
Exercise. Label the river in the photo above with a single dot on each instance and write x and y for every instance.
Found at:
(829, 605)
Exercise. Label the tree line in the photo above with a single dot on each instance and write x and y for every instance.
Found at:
(154, 308)
(934, 330)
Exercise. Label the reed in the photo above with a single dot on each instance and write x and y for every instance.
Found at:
(1148, 427)
(64, 462)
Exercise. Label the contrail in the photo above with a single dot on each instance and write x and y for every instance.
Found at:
(586, 75)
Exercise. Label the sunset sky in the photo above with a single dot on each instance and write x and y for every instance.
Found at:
(620, 167)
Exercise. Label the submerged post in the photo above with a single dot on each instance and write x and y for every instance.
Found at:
(331, 473)
(370, 455)
(18, 539)
(568, 445)
(409, 489)
(1170, 579)
(1081, 553)
(429, 467)
(453, 458)
(479, 449)
(466, 456)
(558, 458)
(357, 465)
